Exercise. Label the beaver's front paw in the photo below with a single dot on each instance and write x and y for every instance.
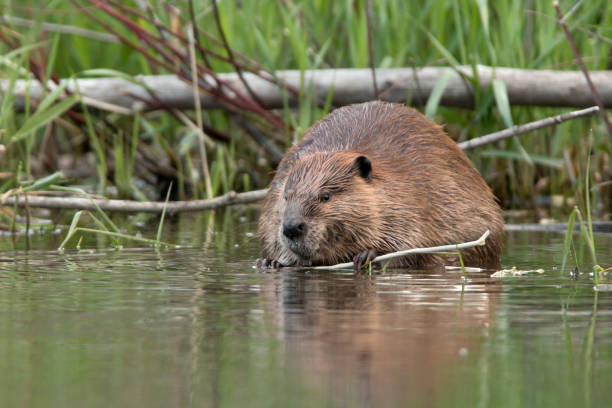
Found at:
(363, 258)
(264, 263)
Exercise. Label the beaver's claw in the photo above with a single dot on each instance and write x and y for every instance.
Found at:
(264, 263)
(363, 258)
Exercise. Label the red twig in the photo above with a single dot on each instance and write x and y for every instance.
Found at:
(240, 100)
(249, 65)
(594, 91)
(230, 54)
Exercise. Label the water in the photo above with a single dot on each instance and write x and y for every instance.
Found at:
(198, 326)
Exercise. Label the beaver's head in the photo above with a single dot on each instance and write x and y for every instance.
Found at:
(329, 207)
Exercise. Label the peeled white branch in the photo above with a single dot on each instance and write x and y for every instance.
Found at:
(479, 242)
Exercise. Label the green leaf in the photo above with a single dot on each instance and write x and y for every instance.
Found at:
(503, 105)
(52, 96)
(44, 182)
(163, 214)
(72, 229)
(531, 158)
(436, 94)
(52, 57)
(501, 98)
(23, 50)
(42, 117)
(445, 53)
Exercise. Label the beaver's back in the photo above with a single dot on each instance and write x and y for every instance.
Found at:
(386, 133)
(377, 127)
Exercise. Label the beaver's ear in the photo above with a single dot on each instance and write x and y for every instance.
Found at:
(363, 166)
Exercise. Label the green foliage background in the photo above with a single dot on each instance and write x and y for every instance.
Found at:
(311, 34)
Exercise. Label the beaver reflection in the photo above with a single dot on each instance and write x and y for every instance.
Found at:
(387, 341)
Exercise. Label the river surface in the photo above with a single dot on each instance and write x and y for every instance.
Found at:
(198, 326)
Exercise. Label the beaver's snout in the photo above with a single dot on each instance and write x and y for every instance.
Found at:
(294, 228)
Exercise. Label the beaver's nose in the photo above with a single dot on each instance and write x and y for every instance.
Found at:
(294, 228)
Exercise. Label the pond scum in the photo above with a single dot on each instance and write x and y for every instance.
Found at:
(63, 144)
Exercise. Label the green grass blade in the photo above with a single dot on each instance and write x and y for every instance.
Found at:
(44, 182)
(436, 94)
(503, 105)
(105, 217)
(587, 238)
(41, 118)
(587, 197)
(445, 53)
(124, 236)
(52, 96)
(52, 57)
(23, 50)
(98, 149)
(72, 229)
(531, 158)
(163, 214)
(567, 245)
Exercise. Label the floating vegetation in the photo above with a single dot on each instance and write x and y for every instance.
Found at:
(515, 273)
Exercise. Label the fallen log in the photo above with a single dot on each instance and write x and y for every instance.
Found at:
(525, 87)
(74, 203)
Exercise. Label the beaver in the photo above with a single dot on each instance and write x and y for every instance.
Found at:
(374, 178)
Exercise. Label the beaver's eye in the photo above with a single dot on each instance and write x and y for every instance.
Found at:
(325, 197)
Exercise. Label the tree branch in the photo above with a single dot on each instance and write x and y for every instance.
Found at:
(527, 127)
(572, 44)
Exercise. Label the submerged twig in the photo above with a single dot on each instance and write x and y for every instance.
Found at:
(527, 127)
(479, 242)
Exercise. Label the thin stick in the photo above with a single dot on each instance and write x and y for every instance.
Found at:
(370, 51)
(198, 112)
(527, 127)
(268, 145)
(78, 203)
(594, 91)
(479, 242)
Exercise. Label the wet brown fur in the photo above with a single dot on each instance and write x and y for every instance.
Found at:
(423, 191)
